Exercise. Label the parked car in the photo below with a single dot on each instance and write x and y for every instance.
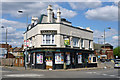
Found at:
(117, 63)
(102, 60)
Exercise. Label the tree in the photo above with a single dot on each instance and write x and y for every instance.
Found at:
(116, 51)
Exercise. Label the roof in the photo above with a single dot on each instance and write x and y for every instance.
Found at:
(97, 46)
(17, 49)
(107, 44)
(62, 19)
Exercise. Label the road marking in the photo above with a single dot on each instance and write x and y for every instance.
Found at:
(24, 75)
(112, 75)
(92, 72)
(89, 72)
(104, 74)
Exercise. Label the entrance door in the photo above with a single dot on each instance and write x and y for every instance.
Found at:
(49, 62)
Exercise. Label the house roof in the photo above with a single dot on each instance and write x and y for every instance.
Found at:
(17, 49)
(107, 44)
(97, 46)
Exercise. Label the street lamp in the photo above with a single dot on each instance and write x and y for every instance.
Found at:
(104, 36)
(6, 43)
(20, 11)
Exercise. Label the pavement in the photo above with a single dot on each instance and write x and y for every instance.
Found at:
(101, 65)
(30, 69)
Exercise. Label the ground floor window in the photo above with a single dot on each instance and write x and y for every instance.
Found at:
(79, 57)
(40, 58)
(67, 58)
(28, 58)
(33, 58)
(59, 58)
(94, 59)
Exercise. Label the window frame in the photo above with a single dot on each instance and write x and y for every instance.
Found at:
(76, 41)
(49, 41)
(82, 43)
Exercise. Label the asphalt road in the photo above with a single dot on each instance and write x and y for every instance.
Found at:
(98, 73)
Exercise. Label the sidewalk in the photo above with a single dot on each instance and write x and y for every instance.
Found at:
(29, 69)
(100, 66)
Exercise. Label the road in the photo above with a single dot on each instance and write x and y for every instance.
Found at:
(97, 73)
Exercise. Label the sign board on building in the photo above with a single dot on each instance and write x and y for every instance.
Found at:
(66, 41)
(25, 43)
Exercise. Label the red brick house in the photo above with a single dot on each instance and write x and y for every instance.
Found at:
(104, 53)
(108, 51)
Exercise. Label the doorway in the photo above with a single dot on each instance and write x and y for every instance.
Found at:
(49, 62)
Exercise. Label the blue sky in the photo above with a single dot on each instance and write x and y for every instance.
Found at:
(96, 15)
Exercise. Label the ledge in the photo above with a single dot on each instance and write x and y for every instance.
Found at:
(48, 45)
(75, 47)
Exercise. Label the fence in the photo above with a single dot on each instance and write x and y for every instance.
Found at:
(7, 62)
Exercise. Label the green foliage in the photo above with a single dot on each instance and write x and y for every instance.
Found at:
(116, 51)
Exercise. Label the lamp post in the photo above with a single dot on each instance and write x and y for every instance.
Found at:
(26, 38)
(104, 36)
(6, 43)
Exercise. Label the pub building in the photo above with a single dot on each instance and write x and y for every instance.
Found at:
(53, 43)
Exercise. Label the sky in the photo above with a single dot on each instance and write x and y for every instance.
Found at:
(97, 15)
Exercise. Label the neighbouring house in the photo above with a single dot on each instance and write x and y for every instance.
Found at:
(108, 51)
(55, 43)
(104, 53)
(6, 51)
(19, 56)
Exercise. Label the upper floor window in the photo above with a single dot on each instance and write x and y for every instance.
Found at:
(82, 43)
(89, 44)
(48, 39)
(75, 42)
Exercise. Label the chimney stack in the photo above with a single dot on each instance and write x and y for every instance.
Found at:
(58, 16)
(34, 20)
(49, 11)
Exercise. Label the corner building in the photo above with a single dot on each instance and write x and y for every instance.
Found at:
(54, 42)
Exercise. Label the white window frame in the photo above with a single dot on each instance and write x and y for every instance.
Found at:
(76, 42)
(82, 43)
(52, 37)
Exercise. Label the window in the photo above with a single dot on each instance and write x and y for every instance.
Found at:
(89, 44)
(94, 59)
(75, 42)
(67, 58)
(39, 58)
(59, 58)
(48, 39)
(79, 57)
(82, 43)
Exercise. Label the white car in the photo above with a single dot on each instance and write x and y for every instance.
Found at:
(117, 63)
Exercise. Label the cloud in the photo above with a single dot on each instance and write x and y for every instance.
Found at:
(85, 4)
(14, 32)
(13, 38)
(33, 8)
(115, 37)
(14, 24)
(109, 33)
(64, 12)
(107, 13)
